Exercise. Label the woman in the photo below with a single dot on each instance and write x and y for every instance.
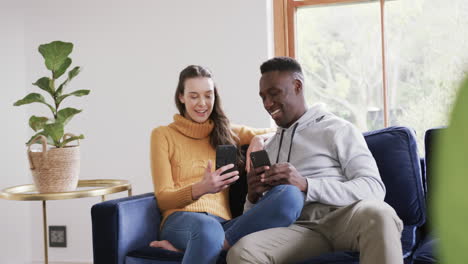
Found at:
(192, 196)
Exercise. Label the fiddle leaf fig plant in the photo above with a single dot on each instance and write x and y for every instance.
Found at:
(57, 60)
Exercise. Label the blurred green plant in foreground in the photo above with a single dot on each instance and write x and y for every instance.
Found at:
(450, 202)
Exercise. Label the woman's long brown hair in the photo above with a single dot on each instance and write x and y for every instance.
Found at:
(222, 133)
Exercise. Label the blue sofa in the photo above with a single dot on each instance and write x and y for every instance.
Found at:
(425, 252)
(123, 228)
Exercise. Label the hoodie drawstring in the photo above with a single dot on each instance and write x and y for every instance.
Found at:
(281, 143)
(290, 144)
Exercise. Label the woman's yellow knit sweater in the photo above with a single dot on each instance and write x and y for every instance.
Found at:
(179, 156)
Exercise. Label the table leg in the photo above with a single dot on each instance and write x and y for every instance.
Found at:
(44, 218)
(103, 198)
(129, 192)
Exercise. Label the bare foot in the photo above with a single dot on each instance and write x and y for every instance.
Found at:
(164, 244)
(226, 245)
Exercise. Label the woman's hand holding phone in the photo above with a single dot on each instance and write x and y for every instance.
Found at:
(214, 182)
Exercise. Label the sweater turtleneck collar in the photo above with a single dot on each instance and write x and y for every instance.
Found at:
(192, 129)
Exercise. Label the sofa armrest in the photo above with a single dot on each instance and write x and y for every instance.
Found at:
(122, 225)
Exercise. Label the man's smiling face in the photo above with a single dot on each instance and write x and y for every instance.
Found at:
(280, 93)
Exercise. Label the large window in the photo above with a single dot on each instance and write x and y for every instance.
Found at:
(339, 49)
(339, 43)
(427, 56)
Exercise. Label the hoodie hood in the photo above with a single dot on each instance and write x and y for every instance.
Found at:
(284, 136)
(313, 115)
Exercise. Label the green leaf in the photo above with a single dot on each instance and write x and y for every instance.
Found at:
(37, 123)
(55, 54)
(33, 98)
(74, 72)
(62, 86)
(68, 140)
(30, 98)
(49, 140)
(66, 114)
(78, 93)
(45, 84)
(71, 74)
(63, 68)
(55, 131)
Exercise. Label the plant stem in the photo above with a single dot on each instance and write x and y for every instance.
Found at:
(55, 97)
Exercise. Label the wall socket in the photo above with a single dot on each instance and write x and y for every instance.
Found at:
(57, 236)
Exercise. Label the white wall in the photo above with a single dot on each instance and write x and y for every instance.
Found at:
(15, 229)
(131, 53)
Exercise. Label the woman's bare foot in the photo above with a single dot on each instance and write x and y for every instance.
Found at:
(164, 244)
(226, 245)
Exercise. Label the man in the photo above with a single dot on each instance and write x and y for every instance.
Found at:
(328, 159)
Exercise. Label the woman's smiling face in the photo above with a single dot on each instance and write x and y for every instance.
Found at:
(198, 98)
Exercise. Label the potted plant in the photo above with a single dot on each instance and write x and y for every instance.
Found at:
(56, 169)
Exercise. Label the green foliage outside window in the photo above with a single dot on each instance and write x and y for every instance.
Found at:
(340, 49)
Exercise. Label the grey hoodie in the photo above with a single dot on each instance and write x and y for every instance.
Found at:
(331, 154)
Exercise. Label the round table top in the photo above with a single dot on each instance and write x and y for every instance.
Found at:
(86, 188)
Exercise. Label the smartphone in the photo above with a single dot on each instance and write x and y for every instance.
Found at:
(226, 154)
(260, 158)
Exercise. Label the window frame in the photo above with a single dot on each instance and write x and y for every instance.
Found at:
(284, 14)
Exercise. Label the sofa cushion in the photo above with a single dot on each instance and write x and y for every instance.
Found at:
(424, 254)
(430, 137)
(396, 154)
(342, 257)
(150, 255)
(137, 260)
(155, 254)
(122, 225)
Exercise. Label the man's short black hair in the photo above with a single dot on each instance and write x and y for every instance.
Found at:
(282, 64)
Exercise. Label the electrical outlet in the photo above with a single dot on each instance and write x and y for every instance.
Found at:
(57, 236)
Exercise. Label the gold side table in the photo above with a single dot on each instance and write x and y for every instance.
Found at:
(86, 188)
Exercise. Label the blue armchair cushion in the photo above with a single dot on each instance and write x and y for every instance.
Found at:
(424, 254)
(159, 254)
(430, 137)
(396, 154)
(123, 225)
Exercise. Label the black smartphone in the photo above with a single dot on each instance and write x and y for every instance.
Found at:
(226, 154)
(260, 158)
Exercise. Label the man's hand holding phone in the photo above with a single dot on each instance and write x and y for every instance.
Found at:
(256, 144)
(284, 173)
(256, 187)
(260, 164)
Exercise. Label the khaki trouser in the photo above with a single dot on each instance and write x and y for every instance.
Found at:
(370, 227)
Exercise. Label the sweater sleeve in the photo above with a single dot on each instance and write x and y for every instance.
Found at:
(168, 196)
(359, 168)
(246, 134)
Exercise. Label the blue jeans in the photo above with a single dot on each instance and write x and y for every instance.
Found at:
(201, 235)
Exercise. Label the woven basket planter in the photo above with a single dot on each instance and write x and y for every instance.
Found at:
(56, 169)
